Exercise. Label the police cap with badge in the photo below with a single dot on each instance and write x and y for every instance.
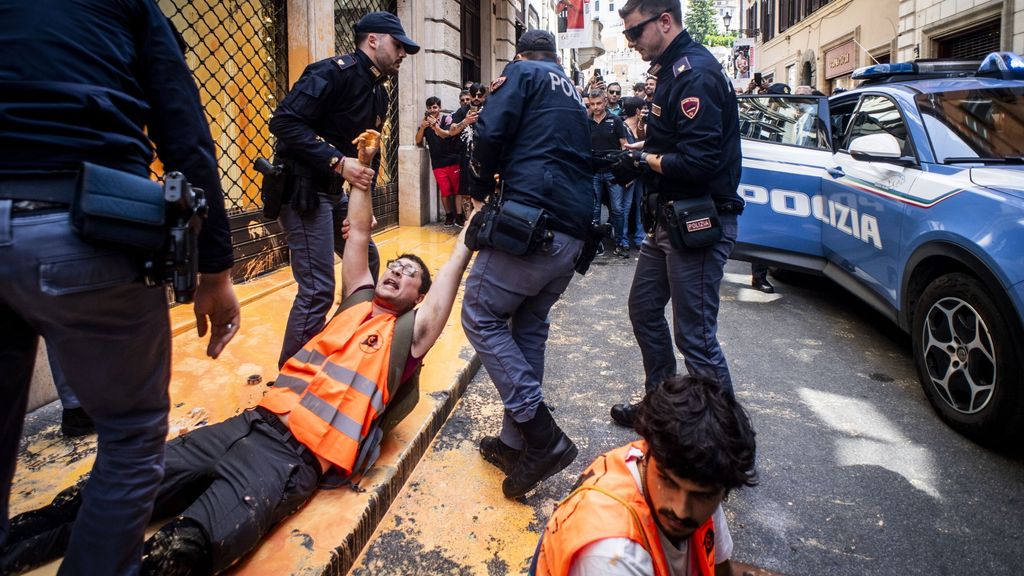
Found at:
(536, 41)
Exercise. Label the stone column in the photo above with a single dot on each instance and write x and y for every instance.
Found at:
(310, 34)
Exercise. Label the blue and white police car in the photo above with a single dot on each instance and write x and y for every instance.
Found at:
(908, 191)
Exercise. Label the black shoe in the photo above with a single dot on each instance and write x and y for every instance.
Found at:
(600, 248)
(763, 285)
(548, 451)
(500, 454)
(449, 221)
(621, 251)
(460, 220)
(75, 422)
(625, 414)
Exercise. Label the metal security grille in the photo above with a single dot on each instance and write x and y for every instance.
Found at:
(385, 194)
(973, 44)
(237, 50)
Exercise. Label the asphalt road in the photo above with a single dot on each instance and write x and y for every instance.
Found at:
(858, 476)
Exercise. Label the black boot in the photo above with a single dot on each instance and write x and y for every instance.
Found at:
(548, 450)
(500, 454)
(625, 414)
(180, 548)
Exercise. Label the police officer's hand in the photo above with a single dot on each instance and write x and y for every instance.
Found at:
(629, 166)
(217, 308)
(346, 226)
(471, 117)
(356, 174)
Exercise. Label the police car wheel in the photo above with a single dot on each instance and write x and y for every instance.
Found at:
(965, 359)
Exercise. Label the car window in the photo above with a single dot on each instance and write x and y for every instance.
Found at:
(792, 121)
(964, 124)
(841, 112)
(880, 115)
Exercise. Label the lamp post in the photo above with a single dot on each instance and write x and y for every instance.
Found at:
(727, 19)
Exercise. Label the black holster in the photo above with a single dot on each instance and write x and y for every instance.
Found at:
(272, 190)
(159, 222)
(692, 222)
(513, 227)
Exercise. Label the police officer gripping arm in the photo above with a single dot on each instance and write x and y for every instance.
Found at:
(692, 159)
(534, 133)
(96, 82)
(332, 102)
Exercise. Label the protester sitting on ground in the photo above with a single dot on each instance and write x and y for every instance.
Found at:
(227, 484)
(654, 505)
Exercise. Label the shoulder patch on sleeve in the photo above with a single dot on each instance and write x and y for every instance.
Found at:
(346, 61)
(496, 84)
(680, 66)
(690, 106)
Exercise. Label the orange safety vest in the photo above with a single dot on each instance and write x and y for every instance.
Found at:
(337, 385)
(607, 503)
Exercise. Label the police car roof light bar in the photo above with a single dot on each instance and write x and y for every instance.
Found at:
(1005, 65)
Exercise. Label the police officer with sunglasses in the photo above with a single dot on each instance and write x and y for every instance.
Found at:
(692, 151)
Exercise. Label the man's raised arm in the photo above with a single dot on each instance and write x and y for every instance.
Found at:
(355, 269)
(437, 304)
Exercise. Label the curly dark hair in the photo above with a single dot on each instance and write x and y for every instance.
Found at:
(697, 430)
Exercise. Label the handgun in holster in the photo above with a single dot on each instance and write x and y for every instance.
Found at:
(177, 265)
(272, 192)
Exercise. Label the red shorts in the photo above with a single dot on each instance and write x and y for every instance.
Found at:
(447, 180)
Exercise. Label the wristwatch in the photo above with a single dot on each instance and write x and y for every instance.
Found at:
(643, 157)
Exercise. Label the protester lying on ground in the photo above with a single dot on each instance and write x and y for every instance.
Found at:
(229, 483)
(654, 506)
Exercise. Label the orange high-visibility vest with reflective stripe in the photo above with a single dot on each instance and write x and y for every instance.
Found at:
(607, 503)
(336, 386)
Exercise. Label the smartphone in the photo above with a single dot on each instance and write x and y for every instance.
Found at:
(758, 78)
(597, 75)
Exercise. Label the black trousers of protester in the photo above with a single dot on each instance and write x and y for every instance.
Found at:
(235, 479)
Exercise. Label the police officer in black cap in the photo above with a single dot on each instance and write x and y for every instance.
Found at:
(692, 151)
(333, 102)
(534, 132)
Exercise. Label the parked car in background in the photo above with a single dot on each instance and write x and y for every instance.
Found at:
(908, 191)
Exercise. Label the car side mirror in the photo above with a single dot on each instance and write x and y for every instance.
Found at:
(879, 148)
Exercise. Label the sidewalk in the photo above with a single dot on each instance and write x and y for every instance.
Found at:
(327, 534)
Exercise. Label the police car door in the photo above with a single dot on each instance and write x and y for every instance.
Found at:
(786, 149)
(863, 210)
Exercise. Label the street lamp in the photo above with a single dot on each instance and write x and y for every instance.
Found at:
(727, 19)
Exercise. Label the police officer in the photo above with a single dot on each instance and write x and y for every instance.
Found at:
(97, 81)
(692, 150)
(534, 133)
(332, 102)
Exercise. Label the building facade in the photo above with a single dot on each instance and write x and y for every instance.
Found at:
(819, 43)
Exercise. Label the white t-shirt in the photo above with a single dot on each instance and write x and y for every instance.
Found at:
(624, 557)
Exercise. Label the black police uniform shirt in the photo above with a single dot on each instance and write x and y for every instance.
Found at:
(534, 132)
(443, 151)
(605, 135)
(97, 84)
(694, 123)
(332, 103)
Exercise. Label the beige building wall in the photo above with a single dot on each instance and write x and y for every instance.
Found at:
(849, 31)
(922, 22)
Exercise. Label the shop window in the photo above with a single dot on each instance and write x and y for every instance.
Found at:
(971, 44)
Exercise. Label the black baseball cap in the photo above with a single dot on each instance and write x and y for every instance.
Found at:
(386, 23)
(536, 40)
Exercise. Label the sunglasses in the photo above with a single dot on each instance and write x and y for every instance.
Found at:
(616, 92)
(633, 33)
(406, 269)
(475, 94)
